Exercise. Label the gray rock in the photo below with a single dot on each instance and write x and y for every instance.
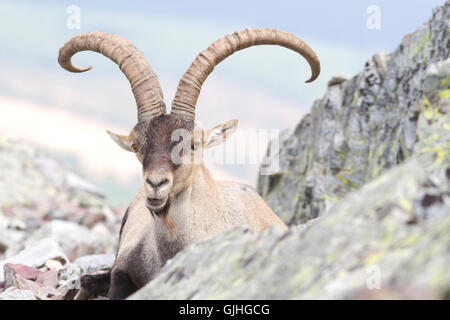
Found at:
(75, 182)
(36, 254)
(26, 272)
(17, 294)
(11, 236)
(338, 80)
(69, 281)
(75, 239)
(51, 170)
(361, 127)
(95, 262)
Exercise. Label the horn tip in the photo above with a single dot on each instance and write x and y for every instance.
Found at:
(313, 77)
(79, 70)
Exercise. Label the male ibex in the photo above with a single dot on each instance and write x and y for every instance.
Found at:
(180, 203)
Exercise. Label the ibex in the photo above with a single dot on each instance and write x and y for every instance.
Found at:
(179, 203)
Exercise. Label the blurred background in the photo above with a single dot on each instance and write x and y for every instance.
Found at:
(263, 87)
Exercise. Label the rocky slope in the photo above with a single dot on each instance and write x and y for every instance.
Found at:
(361, 127)
(54, 225)
(367, 177)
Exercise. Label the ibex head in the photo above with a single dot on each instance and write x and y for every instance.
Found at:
(170, 146)
(170, 149)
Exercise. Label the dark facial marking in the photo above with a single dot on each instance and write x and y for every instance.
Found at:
(155, 137)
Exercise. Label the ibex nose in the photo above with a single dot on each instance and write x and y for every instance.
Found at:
(157, 183)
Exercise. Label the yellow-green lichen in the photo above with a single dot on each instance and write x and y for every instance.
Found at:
(439, 154)
(445, 82)
(444, 94)
(419, 47)
(373, 258)
(332, 256)
(405, 204)
(355, 96)
(409, 240)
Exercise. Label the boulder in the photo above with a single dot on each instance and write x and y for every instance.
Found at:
(17, 294)
(75, 239)
(96, 262)
(26, 272)
(361, 127)
(36, 254)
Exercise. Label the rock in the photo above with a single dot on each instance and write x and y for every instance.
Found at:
(337, 80)
(69, 281)
(17, 294)
(51, 170)
(35, 188)
(36, 254)
(53, 264)
(361, 127)
(369, 172)
(94, 285)
(48, 279)
(75, 182)
(76, 240)
(26, 272)
(96, 262)
(11, 236)
(69, 271)
(41, 292)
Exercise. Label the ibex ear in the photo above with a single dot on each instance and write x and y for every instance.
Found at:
(123, 141)
(220, 133)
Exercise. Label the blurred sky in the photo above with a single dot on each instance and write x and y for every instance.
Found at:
(262, 86)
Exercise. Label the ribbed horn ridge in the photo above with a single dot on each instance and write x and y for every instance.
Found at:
(144, 82)
(191, 83)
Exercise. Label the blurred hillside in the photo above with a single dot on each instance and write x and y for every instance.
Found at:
(67, 113)
(54, 224)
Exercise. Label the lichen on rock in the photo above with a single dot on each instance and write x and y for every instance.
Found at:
(362, 126)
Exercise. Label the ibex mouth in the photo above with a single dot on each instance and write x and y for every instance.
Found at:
(155, 203)
(157, 206)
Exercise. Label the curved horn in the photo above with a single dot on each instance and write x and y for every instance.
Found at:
(192, 81)
(144, 82)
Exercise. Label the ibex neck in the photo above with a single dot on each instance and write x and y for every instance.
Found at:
(203, 183)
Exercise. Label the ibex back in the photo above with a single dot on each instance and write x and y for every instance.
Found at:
(179, 203)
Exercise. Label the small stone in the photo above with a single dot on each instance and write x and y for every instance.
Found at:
(53, 264)
(76, 183)
(17, 294)
(75, 239)
(36, 254)
(26, 272)
(337, 79)
(34, 287)
(48, 279)
(95, 262)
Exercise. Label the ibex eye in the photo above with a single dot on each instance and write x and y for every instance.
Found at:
(134, 147)
(195, 145)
